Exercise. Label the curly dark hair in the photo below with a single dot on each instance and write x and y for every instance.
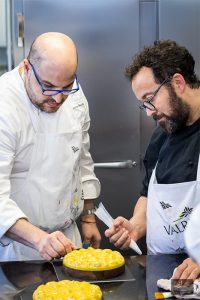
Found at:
(165, 58)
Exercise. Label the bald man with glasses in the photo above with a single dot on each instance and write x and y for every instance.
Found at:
(47, 175)
(163, 79)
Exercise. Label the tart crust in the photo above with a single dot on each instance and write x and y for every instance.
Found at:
(94, 275)
(94, 264)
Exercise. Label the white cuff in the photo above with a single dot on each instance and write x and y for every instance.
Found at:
(91, 189)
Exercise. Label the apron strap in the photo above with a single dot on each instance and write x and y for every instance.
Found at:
(153, 175)
(198, 170)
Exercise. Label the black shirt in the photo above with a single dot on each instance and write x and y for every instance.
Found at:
(177, 155)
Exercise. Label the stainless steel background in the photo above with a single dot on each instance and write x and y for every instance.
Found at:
(180, 20)
(108, 33)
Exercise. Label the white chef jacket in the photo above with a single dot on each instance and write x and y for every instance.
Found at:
(20, 120)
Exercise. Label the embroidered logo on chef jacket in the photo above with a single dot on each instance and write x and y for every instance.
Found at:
(165, 205)
(180, 223)
(75, 149)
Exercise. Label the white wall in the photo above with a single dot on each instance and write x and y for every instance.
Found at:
(2, 23)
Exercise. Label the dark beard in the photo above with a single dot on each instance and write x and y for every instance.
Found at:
(179, 115)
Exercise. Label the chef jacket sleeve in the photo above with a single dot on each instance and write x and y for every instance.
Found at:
(9, 211)
(90, 183)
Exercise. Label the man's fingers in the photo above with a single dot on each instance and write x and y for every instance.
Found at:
(55, 245)
(122, 240)
(48, 252)
(194, 273)
(114, 238)
(95, 244)
(46, 256)
(187, 270)
(111, 231)
(67, 245)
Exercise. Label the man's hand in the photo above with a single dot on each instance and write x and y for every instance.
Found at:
(119, 233)
(54, 245)
(187, 270)
(122, 231)
(49, 245)
(91, 234)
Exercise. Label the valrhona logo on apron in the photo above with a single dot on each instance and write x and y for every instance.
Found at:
(178, 227)
(169, 208)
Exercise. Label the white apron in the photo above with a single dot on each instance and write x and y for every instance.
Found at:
(51, 193)
(169, 208)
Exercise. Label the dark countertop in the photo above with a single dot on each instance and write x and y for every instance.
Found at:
(18, 280)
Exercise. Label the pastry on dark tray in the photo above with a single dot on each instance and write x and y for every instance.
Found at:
(68, 289)
(94, 264)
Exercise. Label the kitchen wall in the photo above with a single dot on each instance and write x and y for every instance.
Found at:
(3, 57)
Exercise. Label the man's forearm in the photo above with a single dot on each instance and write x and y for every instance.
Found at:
(139, 218)
(48, 245)
(26, 233)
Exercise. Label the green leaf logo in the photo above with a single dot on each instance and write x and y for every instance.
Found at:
(187, 211)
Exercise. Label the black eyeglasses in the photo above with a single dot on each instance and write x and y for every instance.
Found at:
(147, 104)
(52, 92)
